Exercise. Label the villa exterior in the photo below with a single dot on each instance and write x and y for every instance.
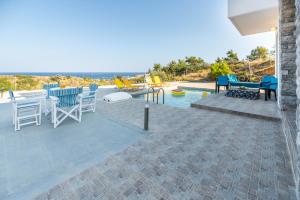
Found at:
(283, 17)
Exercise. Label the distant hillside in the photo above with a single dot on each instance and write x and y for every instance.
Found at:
(246, 71)
(255, 70)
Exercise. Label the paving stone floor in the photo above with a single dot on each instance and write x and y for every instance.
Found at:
(188, 154)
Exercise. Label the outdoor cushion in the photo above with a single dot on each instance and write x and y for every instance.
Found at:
(232, 78)
(67, 96)
(116, 97)
(269, 83)
(235, 82)
(222, 81)
(246, 84)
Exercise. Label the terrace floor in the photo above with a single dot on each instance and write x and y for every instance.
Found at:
(188, 154)
(259, 108)
(37, 158)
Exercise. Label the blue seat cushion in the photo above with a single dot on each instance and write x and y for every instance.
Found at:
(245, 84)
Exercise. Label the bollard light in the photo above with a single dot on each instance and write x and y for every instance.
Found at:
(146, 117)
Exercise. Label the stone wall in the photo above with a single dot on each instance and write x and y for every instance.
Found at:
(287, 58)
(298, 84)
(297, 78)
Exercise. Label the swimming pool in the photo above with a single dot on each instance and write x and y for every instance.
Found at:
(185, 101)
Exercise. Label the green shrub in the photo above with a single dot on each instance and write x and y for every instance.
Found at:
(219, 68)
(5, 84)
(163, 75)
(26, 82)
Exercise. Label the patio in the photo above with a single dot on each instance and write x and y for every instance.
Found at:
(189, 154)
(37, 158)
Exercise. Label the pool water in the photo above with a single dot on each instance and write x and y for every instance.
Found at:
(176, 101)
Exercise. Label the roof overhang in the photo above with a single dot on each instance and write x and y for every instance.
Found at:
(253, 16)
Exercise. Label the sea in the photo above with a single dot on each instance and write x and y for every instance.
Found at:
(93, 75)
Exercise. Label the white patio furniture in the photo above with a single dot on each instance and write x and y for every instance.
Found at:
(65, 103)
(26, 110)
(47, 88)
(50, 86)
(88, 99)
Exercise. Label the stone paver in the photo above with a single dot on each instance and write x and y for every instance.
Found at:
(188, 154)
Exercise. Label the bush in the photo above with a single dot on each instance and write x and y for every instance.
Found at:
(219, 68)
(5, 84)
(163, 75)
(26, 82)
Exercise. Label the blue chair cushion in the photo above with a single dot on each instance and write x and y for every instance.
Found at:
(11, 94)
(50, 86)
(93, 88)
(232, 78)
(222, 81)
(269, 83)
(67, 97)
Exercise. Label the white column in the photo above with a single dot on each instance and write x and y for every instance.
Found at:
(276, 53)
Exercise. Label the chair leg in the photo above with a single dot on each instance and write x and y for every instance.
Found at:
(18, 127)
(266, 95)
(275, 94)
(36, 120)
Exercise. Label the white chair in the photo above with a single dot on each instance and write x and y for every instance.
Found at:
(89, 99)
(65, 103)
(26, 111)
(47, 88)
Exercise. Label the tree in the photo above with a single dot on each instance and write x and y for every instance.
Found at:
(219, 60)
(171, 67)
(258, 53)
(194, 64)
(232, 57)
(157, 67)
(181, 67)
(219, 68)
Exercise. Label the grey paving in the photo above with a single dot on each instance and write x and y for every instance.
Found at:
(189, 154)
(252, 108)
(37, 158)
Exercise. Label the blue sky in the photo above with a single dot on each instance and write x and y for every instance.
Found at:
(115, 35)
